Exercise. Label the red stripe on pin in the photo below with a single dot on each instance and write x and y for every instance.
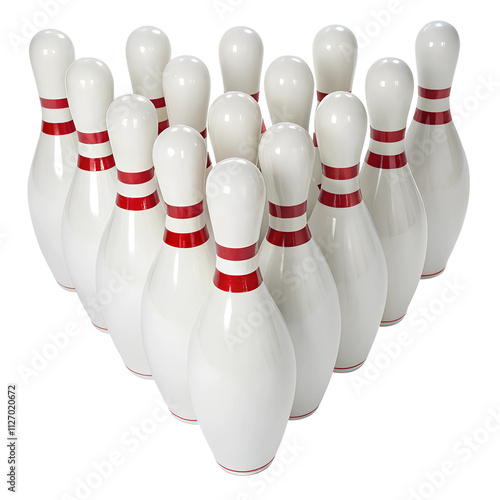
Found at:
(186, 240)
(135, 204)
(204, 133)
(162, 126)
(209, 161)
(159, 102)
(185, 212)
(382, 136)
(336, 200)
(237, 283)
(54, 103)
(58, 128)
(434, 93)
(288, 238)
(95, 164)
(287, 212)
(136, 177)
(340, 173)
(315, 141)
(93, 137)
(432, 118)
(255, 96)
(385, 161)
(236, 253)
(320, 95)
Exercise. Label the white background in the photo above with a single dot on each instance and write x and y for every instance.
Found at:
(380, 432)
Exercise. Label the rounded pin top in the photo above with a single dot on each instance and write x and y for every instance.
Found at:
(148, 52)
(51, 52)
(286, 157)
(186, 86)
(235, 196)
(180, 157)
(241, 52)
(437, 48)
(289, 87)
(89, 86)
(340, 129)
(389, 90)
(133, 128)
(335, 52)
(234, 125)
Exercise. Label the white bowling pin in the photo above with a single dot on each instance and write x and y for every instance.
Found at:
(344, 230)
(183, 270)
(289, 88)
(241, 361)
(92, 194)
(435, 154)
(148, 52)
(241, 52)
(335, 53)
(54, 162)
(293, 267)
(389, 190)
(134, 232)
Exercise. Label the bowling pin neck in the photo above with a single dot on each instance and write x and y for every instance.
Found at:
(161, 111)
(340, 186)
(433, 106)
(56, 117)
(185, 226)
(137, 190)
(288, 225)
(94, 151)
(386, 149)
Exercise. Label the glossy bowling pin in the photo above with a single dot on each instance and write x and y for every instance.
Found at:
(92, 194)
(148, 52)
(293, 267)
(435, 154)
(183, 269)
(343, 228)
(389, 190)
(241, 360)
(54, 162)
(134, 232)
(289, 87)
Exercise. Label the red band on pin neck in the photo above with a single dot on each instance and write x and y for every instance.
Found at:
(203, 133)
(321, 95)
(434, 93)
(159, 102)
(186, 240)
(263, 127)
(54, 103)
(95, 164)
(287, 212)
(141, 203)
(392, 136)
(315, 141)
(185, 212)
(385, 161)
(209, 161)
(136, 177)
(337, 200)
(162, 126)
(58, 128)
(237, 284)
(288, 238)
(340, 173)
(255, 96)
(93, 137)
(236, 253)
(432, 118)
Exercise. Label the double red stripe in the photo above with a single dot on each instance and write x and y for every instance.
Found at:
(54, 103)
(432, 117)
(95, 164)
(340, 173)
(58, 128)
(236, 253)
(288, 238)
(434, 93)
(237, 284)
(337, 200)
(136, 177)
(382, 136)
(185, 212)
(287, 212)
(186, 240)
(93, 137)
(141, 203)
(385, 161)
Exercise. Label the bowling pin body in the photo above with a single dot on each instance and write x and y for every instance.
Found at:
(54, 162)
(293, 267)
(183, 269)
(134, 232)
(389, 190)
(343, 228)
(289, 86)
(241, 360)
(335, 53)
(93, 191)
(148, 52)
(435, 154)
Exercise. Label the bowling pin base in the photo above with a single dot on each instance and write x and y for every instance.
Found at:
(185, 420)
(140, 375)
(101, 329)
(67, 288)
(246, 472)
(349, 368)
(305, 415)
(392, 322)
(428, 276)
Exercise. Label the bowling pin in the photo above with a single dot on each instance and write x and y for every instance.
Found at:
(435, 154)
(389, 190)
(183, 270)
(343, 228)
(241, 52)
(241, 363)
(134, 231)
(92, 194)
(54, 162)
(148, 52)
(289, 87)
(335, 53)
(293, 268)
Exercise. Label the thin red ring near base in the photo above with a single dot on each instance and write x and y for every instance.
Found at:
(246, 471)
(350, 367)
